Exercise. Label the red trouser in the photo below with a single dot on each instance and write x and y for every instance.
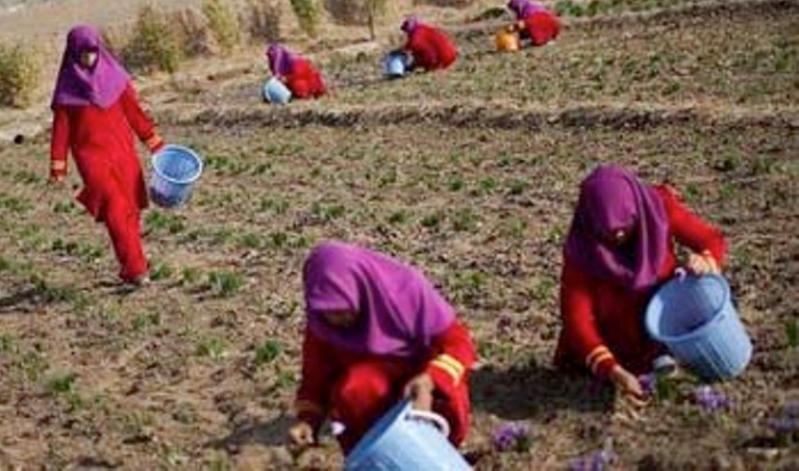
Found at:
(368, 389)
(122, 222)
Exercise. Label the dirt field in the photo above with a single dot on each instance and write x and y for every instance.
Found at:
(471, 175)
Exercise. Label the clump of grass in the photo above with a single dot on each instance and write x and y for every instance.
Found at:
(155, 44)
(267, 352)
(211, 347)
(431, 221)
(156, 220)
(161, 271)
(225, 283)
(263, 20)
(19, 75)
(792, 332)
(61, 384)
(307, 13)
(223, 23)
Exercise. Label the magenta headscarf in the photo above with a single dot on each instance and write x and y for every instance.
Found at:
(524, 8)
(612, 198)
(281, 59)
(399, 311)
(102, 85)
(410, 24)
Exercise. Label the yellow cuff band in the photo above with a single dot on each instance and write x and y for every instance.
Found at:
(307, 406)
(449, 364)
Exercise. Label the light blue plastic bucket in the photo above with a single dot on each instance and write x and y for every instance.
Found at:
(276, 92)
(395, 64)
(406, 439)
(695, 318)
(175, 169)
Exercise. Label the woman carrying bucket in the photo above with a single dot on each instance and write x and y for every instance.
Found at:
(95, 115)
(429, 48)
(377, 330)
(298, 74)
(534, 22)
(619, 250)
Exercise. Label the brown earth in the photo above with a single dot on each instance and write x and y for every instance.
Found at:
(471, 175)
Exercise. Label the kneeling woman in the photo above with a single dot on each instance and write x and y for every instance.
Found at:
(296, 72)
(377, 330)
(535, 22)
(429, 48)
(619, 250)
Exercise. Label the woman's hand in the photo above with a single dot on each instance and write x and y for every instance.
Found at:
(301, 433)
(702, 264)
(420, 390)
(628, 384)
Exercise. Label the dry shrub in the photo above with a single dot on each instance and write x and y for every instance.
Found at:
(155, 44)
(356, 12)
(263, 20)
(445, 3)
(223, 23)
(307, 13)
(194, 37)
(19, 75)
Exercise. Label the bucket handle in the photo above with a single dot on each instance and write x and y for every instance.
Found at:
(439, 422)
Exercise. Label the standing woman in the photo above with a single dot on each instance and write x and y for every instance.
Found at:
(535, 22)
(430, 48)
(95, 115)
(619, 250)
(296, 72)
(377, 330)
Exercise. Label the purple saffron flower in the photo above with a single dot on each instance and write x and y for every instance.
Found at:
(787, 422)
(510, 436)
(596, 461)
(710, 399)
(648, 384)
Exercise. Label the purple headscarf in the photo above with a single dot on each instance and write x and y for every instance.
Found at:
(612, 198)
(102, 85)
(410, 24)
(524, 8)
(398, 310)
(281, 59)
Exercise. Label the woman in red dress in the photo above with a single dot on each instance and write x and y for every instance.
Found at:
(377, 330)
(296, 72)
(619, 250)
(95, 115)
(535, 22)
(429, 47)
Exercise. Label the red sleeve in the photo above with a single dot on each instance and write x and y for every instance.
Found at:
(579, 325)
(453, 357)
(691, 230)
(59, 142)
(421, 45)
(138, 119)
(318, 375)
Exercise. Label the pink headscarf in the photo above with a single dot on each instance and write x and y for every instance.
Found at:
(612, 198)
(102, 85)
(281, 60)
(398, 309)
(524, 8)
(410, 24)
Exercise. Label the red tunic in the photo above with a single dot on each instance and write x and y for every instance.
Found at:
(357, 389)
(541, 27)
(103, 146)
(304, 80)
(431, 48)
(603, 322)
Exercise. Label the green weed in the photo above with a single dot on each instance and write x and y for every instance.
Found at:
(267, 352)
(155, 44)
(225, 283)
(212, 347)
